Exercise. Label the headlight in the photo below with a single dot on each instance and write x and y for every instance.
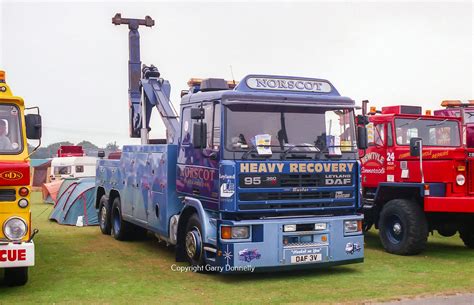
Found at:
(15, 228)
(23, 203)
(352, 226)
(235, 232)
(320, 226)
(460, 180)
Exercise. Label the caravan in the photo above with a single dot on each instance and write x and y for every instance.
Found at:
(73, 167)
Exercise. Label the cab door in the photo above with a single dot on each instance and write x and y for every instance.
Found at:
(374, 161)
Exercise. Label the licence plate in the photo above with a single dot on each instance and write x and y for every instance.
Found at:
(307, 258)
(17, 255)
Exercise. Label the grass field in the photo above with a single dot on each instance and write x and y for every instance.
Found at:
(80, 265)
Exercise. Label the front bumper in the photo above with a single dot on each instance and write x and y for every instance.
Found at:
(17, 255)
(266, 249)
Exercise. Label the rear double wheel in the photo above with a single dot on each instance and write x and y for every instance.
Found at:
(104, 215)
(120, 229)
(16, 276)
(403, 228)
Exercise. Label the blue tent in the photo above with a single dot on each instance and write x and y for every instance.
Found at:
(75, 201)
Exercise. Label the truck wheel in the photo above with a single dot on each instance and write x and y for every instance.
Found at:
(467, 235)
(16, 276)
(403, 228)
(104, 215)
(120, 229)
(193, 245)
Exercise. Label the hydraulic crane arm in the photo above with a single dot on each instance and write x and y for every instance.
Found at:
(146, 88)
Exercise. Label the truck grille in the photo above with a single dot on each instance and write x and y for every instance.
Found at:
(284, 196)
(296, 205)
(7, 195)
(301, 180)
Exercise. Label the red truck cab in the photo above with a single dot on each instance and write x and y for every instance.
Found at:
(406, 195)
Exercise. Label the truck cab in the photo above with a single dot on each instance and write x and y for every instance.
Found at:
(17, 250)
(416, 178)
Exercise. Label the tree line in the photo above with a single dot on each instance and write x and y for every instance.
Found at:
(89, 148)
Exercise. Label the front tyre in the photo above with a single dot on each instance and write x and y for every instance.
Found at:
(403, 228)
(16, 276)
(193, 242)
(104, 215)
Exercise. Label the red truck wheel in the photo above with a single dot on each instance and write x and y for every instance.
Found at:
(16, 276)
(403, 228)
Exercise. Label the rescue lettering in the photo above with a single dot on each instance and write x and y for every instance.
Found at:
(312, 167)
(12, 255)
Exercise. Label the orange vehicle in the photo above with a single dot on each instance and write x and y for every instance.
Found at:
(17, 251)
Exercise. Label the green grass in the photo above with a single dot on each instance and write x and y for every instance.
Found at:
(80, 265)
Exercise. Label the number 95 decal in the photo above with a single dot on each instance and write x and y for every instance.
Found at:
(258, 181)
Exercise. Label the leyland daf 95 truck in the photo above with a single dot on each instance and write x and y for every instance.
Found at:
(261, 175)
(17, 250)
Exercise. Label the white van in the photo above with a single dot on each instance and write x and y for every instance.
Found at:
(73, 167)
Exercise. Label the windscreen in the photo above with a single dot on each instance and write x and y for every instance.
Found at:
(303, 129)
(10, 131)
(432, 132)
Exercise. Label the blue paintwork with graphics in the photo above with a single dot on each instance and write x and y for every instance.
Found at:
(157, 182)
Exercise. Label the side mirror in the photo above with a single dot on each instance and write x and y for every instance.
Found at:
(362, 119)
(101, 154)
(33, 126)
(415, 147)
(197, 113)
(362, 137)
(199, 135)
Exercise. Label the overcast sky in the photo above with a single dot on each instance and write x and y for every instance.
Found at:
(71, 61)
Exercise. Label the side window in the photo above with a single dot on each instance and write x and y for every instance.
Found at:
(208, 116)
(186, 127)
(376, 134)
(379, 134)
(216, 129)
(389, 135)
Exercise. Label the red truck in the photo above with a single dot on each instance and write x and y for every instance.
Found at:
(463, 110)
(417, 177)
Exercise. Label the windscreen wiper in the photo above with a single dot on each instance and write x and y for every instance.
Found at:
(282, 135)
(328, 155)
(254, 149)
(437, 124)
(289, 149)
(409, 123)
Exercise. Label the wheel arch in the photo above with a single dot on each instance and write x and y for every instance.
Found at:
(98, 195)
(194, 206)
(389, 191)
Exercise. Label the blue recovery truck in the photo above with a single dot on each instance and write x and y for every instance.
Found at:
(261, 174)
